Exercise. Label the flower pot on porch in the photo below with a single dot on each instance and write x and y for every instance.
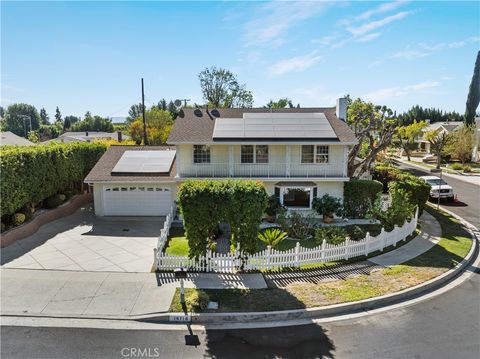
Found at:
(327, 218)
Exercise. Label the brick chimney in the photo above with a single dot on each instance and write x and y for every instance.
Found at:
(341, 110)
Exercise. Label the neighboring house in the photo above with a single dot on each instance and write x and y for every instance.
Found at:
(440, 128)
(88, 136)
(9, 138)
(299, 154)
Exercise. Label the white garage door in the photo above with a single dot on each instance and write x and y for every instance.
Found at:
(137, 200)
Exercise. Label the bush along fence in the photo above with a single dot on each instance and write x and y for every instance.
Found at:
(296, 257)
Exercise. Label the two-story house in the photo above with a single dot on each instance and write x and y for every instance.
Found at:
(298, 153)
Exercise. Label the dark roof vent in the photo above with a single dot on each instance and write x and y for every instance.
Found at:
(198, 112)
(215, 113)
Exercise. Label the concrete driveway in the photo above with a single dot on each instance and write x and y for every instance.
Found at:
(83, 242)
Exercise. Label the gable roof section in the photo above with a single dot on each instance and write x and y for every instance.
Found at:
(102, 171)
(9, 138)
(197, 125)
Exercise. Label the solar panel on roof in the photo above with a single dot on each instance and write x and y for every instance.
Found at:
(274, 125)
(145, 162)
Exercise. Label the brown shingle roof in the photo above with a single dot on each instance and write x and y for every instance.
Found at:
(101, 172)
(197, 125)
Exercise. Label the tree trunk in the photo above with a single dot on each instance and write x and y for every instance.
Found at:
(439, 158)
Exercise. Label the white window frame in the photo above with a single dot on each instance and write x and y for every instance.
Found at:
(209, 155)
(316, 155)
(255, 155)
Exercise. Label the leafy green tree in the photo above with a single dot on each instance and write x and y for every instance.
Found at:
(159, 124)
(438, 144)
(72, 119)
(44, 119)
(20, 118)
(47, 132)
(33, 136)
(58, 115)
(93, 123)
(473, 98)
(406, 135)
(461, 143)
(2, 112)
(281, 103)
(374, 125)
(134, 112)
(220, 88)
(431, 114)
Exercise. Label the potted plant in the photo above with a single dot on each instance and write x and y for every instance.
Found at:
(273, 207)
(327, 206)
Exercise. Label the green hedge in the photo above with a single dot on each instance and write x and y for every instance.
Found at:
(29, 174)
(392, 179)
(359, 196)
(207, 203)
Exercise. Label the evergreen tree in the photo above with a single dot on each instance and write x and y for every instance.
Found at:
(58, 115)
(473, 97)
(44, 119)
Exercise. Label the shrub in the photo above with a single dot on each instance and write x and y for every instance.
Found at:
(400, 210)
(355, 233)
(273, 206)
(328, 205)
(272, 236)
(385, 174)
(4, 227)
(18, 219)
(29, 174)
(207, 203)
(359, 197)
(417, 190)
(54, 201)
(196, 300)
(28, 211)
(298, 225)
(456, 166)
(332, 235)
(467, 169)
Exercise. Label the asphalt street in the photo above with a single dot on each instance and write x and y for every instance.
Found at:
(468, 205)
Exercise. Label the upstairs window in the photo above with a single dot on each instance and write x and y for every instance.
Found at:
(201, 154)
(315, 154)
(254, 154)
(247, 154)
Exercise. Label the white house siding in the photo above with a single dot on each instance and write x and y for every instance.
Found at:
(333, 188)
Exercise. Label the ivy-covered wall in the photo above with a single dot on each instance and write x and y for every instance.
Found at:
(29, 174)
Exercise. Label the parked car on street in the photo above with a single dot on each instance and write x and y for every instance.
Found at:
(439, 188)
(429, 158)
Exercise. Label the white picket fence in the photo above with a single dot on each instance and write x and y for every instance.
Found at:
(271, 258)
(162, 238)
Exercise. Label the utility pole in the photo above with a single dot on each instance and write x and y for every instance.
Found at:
(145, 140)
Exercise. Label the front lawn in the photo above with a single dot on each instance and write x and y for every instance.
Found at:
(453, 246)
(177, 244)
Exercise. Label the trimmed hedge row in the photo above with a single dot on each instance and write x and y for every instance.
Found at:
(207, 203)
(359, 197)
(394, 179)
(30, 174)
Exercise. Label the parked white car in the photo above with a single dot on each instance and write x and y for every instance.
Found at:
(439, 188)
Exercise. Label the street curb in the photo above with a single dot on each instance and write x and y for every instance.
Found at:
(444, 172)
(337, 309)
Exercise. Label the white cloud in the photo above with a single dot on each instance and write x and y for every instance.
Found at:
(449, 45)
(380, 10)
(369, 37)
(276, 18)
(297, 64)
(316, 95)
(367, 27)
(326, 40)
(390, 92)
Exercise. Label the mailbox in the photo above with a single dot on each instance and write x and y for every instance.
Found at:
(180, 273)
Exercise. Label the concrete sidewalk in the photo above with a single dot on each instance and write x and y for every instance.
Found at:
(430, 235)
(103, 294)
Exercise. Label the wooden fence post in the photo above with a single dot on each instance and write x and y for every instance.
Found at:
(297, 251)
(269, 251)
(323, 251)
(367, 243)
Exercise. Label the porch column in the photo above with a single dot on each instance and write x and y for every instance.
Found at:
(230, 160)
(345, 160)
(288, 160)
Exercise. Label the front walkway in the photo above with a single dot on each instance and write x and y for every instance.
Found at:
(83, 242)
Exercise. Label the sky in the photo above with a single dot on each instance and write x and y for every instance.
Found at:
(90, 56)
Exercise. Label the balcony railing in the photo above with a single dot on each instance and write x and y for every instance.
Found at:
(267, 170)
